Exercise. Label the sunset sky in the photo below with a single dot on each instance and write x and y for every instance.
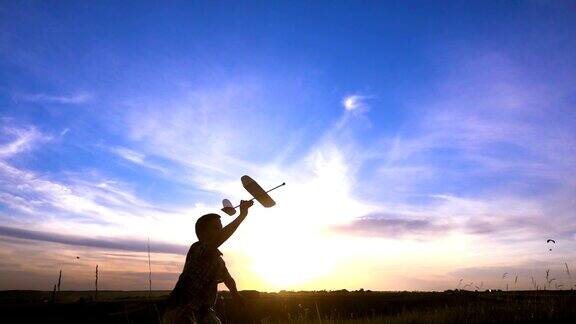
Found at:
(425, 145)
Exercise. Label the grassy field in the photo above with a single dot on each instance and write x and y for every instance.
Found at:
(301, 307)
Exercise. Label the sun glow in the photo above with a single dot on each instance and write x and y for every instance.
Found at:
(292, 244)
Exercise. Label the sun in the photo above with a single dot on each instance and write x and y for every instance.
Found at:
(292, 245)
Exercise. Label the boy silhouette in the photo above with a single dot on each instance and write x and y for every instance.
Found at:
(194, 296)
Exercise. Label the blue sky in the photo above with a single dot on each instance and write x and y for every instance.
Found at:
(433, 135)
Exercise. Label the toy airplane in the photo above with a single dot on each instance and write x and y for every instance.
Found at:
(257, 193)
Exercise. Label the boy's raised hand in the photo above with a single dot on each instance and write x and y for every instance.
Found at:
(245, 205)
(229, 229)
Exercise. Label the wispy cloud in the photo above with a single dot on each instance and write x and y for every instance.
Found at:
(142, 160)
(20, 140)
(73, 99)
(209, 132)
(77, 205)
(480, 138)
(119, 267)
(129, 154)
(110, 243)
(75, 202)
(401, 226)
(505, 220)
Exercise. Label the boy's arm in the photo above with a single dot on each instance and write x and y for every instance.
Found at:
(229, 229)
(231, 285)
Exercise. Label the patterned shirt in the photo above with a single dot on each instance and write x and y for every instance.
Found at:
(197, 286)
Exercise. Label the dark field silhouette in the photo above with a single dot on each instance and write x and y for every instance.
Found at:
(301, 307)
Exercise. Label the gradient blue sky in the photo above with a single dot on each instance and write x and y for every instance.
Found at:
(422, 142)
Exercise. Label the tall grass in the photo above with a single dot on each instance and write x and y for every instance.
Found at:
(489, 308)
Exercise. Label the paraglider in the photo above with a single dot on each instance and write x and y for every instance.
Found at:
(550, 241)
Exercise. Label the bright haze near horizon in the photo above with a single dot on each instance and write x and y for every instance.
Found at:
(425, 145)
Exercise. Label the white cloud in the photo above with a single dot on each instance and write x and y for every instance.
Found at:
(354, 102)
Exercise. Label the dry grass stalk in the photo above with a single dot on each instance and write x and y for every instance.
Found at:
(96, 285)
(149, 272)
(59, 279)
(54, 293)
(318, 313)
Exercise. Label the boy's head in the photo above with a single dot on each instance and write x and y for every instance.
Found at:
(208, 226)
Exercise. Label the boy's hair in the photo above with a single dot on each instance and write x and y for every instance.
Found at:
(202, 222)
